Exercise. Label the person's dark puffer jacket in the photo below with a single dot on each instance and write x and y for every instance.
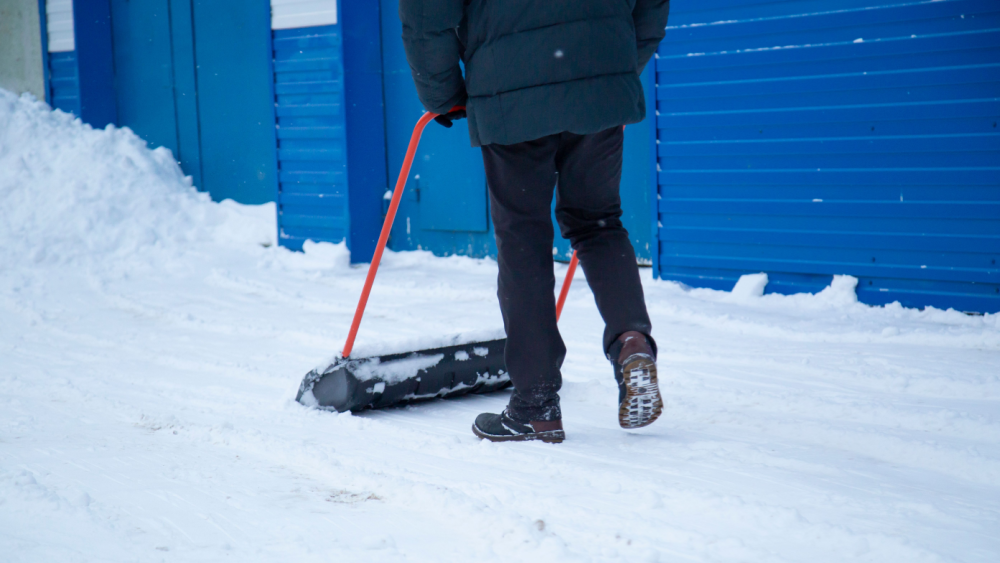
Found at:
(533, 67)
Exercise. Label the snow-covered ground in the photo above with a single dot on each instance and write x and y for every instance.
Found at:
(151, 347)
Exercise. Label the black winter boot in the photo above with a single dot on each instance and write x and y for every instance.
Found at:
(639, 402)
(502, 428)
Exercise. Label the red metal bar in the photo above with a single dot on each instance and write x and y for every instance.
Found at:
(397, 194)
(566, 283)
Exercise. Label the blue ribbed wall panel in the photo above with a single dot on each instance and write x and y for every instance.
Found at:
(312, 163)
(807, 141)
(64, 82)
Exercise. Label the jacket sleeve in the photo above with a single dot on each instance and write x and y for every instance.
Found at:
(650, 17)
(433, 49)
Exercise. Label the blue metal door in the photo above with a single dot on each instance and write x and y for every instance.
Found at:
(805, 142)
(144, 73)
(232, 41)
(451, 181)
(445, 209)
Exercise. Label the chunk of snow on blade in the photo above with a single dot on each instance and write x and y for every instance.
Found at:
(461, 355)
(396, 370)
(481, 351)
(480, 379)
(748, 288)
(421, 343)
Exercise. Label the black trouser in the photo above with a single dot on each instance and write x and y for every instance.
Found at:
(585, 171)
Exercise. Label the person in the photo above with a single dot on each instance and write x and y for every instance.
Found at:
(547, 89)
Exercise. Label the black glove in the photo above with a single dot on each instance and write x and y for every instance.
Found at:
(447, 118)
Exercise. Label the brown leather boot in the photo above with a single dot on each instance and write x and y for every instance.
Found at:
(639, 401)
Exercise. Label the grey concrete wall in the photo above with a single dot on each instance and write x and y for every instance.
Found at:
(21, 48)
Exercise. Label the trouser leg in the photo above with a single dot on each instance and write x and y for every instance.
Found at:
(521, 180)
(588, 209)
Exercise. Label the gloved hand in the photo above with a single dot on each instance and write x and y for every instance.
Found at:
(448, 118)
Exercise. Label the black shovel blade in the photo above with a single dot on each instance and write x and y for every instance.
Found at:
(353, 384)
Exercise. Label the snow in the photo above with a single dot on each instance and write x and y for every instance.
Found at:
(152, 342)
(396, 370)
(748, 288)
(423, 341)
(84, 202)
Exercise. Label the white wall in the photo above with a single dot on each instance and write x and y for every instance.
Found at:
(59, 20)
(21, 68)
(287, 14)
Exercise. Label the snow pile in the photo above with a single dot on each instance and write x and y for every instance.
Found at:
(748, 288)
(841, 292)
(68, 191)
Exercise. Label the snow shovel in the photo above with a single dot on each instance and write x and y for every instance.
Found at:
(460, 365)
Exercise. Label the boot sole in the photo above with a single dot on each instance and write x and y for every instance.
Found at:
(551, 437)
(642, 404)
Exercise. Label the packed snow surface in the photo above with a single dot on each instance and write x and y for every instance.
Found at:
(152, 342)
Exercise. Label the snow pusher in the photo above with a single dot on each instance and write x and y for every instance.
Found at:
(462, 365)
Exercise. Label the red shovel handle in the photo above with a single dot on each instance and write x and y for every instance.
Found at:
(397, 194)
(566, 283)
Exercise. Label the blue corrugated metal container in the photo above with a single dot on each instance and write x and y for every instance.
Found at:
(77, 49)
(312, 145)
(807, 141)
(62, 71)
(332, 161)
(64, 82)
(804, 138)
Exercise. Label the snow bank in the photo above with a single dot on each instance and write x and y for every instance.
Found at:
(70, 192)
